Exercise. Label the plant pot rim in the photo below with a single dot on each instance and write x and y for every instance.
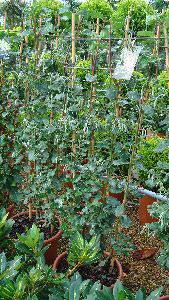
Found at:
(54, 237)
(118, 264)
(164, 298)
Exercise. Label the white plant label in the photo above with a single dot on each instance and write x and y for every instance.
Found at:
(125, 66)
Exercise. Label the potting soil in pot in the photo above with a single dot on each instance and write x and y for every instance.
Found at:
(23, 222)
(93, 272)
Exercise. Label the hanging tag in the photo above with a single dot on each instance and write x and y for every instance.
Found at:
(126, 64)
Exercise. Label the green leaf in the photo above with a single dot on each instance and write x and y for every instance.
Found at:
(90, 78)
(155, 295)
(31, 155)
(2, 262)
(119, 211)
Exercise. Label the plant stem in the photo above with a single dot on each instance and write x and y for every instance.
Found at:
(76, 267)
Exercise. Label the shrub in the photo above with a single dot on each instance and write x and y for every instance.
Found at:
(85, 68)
(140, 9)
(153, 155)
(97, 9)
(41, 6)
(14, 10)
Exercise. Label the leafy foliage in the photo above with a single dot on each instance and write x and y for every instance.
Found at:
(139, 11)
(39, 7)
(160, 210)
(31, 244)
(154, 159)
(8, 270)
(5, 228)
(97, 9)
(82, 252)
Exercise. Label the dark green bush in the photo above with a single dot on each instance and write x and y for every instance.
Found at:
(139, 10)
(153, 156)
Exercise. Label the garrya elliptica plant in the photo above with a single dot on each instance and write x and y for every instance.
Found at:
(160, 210)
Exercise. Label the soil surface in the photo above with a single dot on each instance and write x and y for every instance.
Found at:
(145, 273)
(93, 272)
(23, 222)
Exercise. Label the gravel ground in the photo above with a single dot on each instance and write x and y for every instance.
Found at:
(143, 273)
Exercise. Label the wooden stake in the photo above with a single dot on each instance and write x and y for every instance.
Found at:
(21, 52)
(98, 26)
(127, 29)
(157, 47)
(57, 37)
(110, 52)
(73, 48)
(93, 89)
(73, 74)
(166, 50)
(5, 19)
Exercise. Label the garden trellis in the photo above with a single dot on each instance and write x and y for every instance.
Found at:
(102, 38)
(84, 135)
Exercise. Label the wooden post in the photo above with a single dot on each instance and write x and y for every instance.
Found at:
(157, 47)
(5, 19)
(127, 28)
(93, 88)
(73, 48)
(39, 45)
(57, 37)
(21, 52)
(73, 74)
(97, 26)
(110, 52)
(166, 50)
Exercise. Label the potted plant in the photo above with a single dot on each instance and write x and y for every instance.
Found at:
(52, 235)
(84, 256)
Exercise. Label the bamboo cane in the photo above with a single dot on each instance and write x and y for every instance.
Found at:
(157, 46)
(57, 36)
(5, 20)
(93, 89)
(166, 50)
(39, 42)
(110, 52)
(127, 28)
(21, 52)
(73, 75)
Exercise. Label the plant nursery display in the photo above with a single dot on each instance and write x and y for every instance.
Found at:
(84, 150)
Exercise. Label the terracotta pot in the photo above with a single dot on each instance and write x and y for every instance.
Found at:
(64, 255)
(11, 210)
(144, 216)
(119, 267)
(161, 134)
(151, 134)
(58, 260)
(164, 298)
(118, 196)
(50, 254)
